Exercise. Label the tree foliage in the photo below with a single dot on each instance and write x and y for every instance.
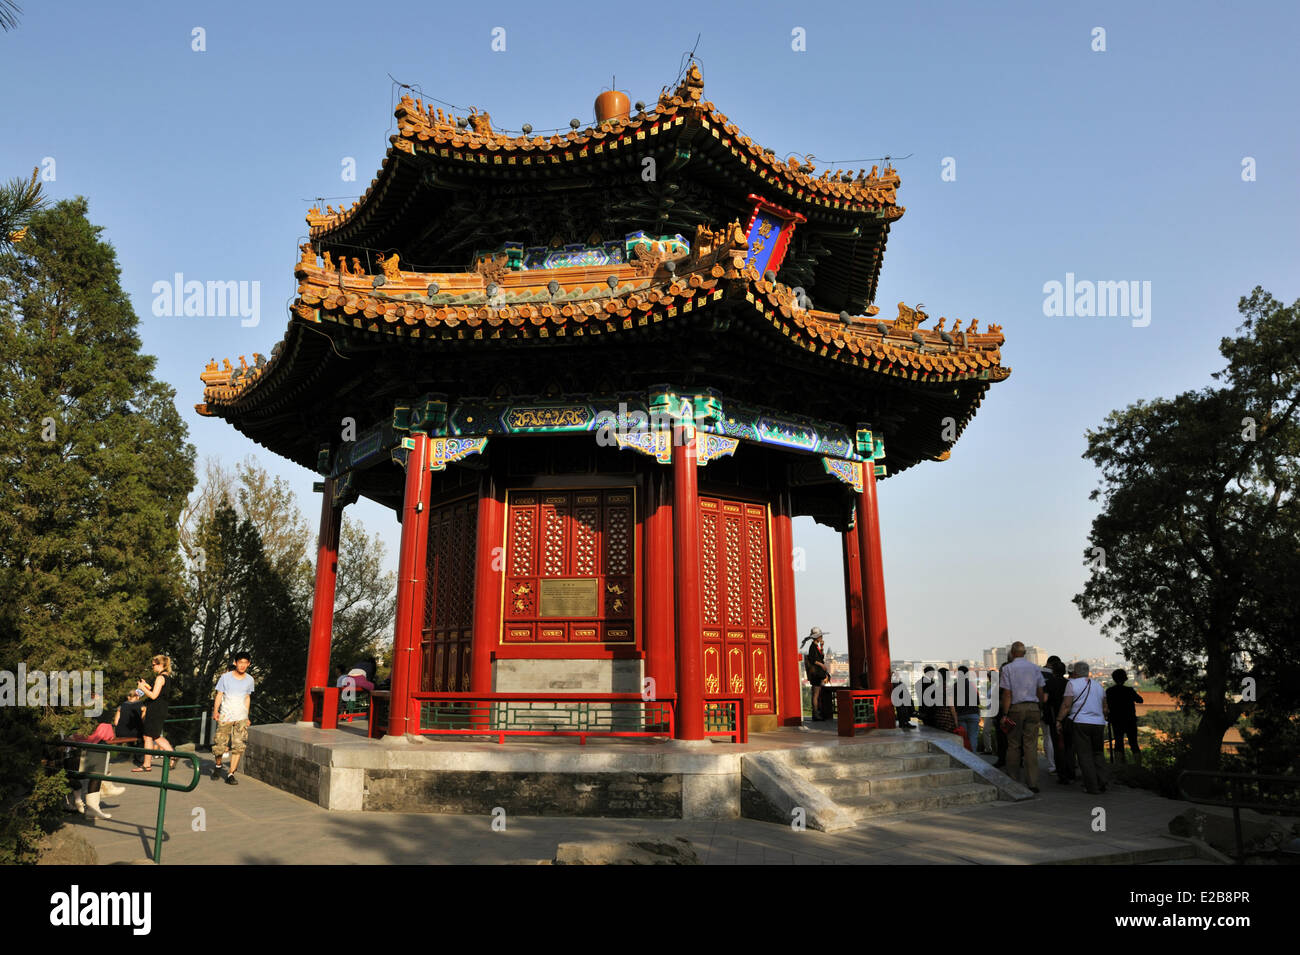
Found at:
(249, 586)
(365, 597)
(94, 468)
(20, 199)
(236, 599)
(1197, 548)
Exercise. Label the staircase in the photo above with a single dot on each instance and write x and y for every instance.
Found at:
(839, 785)
(903, 776)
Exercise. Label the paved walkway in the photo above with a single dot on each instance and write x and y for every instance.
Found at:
(253, 823)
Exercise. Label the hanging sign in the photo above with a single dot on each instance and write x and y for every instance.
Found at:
(768, 235)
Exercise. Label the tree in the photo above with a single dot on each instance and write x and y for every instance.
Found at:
(9, 11)
(20, 199)
(1196, 552)
(236, 599)
(249, 585)
(94, 468)
(365, 598)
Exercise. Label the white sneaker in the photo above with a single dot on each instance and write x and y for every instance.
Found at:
(92, 806)
(111, 789)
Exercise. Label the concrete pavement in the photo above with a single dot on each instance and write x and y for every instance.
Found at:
(253, 823)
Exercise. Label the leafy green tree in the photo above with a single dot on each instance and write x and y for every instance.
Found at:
(236, 599)
(94, 469)
(365, 597)
(1196, 552)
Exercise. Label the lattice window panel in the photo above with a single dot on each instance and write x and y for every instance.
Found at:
(584, 535)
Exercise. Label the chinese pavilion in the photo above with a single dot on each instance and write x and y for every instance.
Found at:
(596, 374)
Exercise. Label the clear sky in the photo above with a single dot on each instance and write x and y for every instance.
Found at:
(1129, 163)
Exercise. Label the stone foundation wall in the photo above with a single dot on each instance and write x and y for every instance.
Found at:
(293, 774)
(640, 795)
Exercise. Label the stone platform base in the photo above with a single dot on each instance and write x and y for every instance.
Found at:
(340, 769)
(629, 778)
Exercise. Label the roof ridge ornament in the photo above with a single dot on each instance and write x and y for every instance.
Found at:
(691, 88)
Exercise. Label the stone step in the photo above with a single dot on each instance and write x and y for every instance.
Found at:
(891, 783)
(941, 797)
(847, 753)
(875, 766)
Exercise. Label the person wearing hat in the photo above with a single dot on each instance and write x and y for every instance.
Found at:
(814, 667)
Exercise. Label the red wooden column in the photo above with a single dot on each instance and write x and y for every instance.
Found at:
(857, 621)
(490, 564)
(410, 584)
(873, 592)
(790, 694)
(322, 604)
(686, 558)
(657, 585)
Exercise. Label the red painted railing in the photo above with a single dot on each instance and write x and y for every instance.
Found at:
(725, 716)
(857, 710)
(541, 714)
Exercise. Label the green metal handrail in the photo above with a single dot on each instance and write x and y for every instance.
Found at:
(161, 785)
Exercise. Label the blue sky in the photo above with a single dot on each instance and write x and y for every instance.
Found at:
(1122, 164)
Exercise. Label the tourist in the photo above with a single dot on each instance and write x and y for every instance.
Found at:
(230, 711)
(155, 712)
(1083, 713)
(1122, 701)
(1022, 697)
(1000, 735)
(128, 722)
(927, 696)
(360, 676)
(814, 666)
(968, 706)
(902, 700)
(943, 715)
(1061, 758)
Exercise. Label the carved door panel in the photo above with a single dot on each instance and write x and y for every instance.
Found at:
(450, 564)
(570, 574)
(736, 603)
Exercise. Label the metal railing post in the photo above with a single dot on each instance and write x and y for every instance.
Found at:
(162, 786)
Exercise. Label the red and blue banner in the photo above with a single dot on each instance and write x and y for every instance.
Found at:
(770, 229)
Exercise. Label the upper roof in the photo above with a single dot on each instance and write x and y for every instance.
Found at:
(369, 327)
(435, 157)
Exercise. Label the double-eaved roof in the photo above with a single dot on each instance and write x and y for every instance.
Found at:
(366, 296)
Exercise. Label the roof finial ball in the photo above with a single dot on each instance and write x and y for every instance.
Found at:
(612, 105)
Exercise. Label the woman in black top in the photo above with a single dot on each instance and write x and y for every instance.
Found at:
(814, 665)
(155, 713)
(1062, 743)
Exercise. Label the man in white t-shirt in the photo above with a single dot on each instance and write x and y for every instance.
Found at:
(230, 713)
(1086, 708)
(1022, 695)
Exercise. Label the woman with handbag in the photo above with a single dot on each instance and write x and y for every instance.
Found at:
(1083, 714)
(814, 665)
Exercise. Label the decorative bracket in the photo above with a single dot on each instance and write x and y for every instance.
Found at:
(656, 444)
(444, 451)
(710, 447)
(850, 472)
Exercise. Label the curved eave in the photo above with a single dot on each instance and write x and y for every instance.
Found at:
(941, 379)
(683, 115)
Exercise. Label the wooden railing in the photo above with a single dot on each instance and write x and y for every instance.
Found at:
(540, 714)
(725, 716)
(857, 710)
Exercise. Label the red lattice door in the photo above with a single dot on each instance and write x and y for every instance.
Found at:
(449, 597)
(570, 567)
(736, 603)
